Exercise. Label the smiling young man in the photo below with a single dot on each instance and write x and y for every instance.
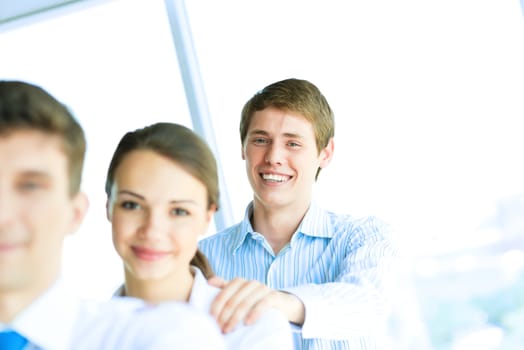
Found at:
(328, 273)
(42, 151)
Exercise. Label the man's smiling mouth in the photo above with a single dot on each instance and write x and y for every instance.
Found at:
(275, 177)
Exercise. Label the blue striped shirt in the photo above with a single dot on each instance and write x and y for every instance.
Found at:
(338, 266)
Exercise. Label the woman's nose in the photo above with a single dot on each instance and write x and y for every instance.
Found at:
(154, 223)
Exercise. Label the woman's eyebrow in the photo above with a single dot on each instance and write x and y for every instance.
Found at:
(178, 201)
(131, 193)
(174, 201)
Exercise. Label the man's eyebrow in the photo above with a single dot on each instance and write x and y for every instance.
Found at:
(258, 132)
(292, 135)
(35, 173)
(265, 133)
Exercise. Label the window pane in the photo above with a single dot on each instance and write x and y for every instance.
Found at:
(114, 64)
(427, 99)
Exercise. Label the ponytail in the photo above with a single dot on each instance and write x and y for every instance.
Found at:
(200, 261)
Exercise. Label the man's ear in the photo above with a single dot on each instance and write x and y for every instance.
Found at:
(326, 154)
(243, 153)
(80, 205)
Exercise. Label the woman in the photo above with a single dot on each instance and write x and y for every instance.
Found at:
(162, 192)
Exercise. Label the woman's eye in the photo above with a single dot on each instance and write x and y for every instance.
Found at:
(179, 212)
(129, 205)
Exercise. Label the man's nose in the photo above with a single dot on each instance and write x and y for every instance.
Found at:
(275, 155)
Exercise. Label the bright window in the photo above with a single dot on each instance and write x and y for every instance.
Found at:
(428, 107)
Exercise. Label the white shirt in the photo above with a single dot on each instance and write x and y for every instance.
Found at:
(59, 320)
(271, 331)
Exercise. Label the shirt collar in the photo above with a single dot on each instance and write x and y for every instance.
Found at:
(202, 294)
(48, 322)
(244, 229)
(316, 223)
(120, 292)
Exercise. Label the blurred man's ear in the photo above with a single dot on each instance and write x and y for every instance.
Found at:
(79, 209)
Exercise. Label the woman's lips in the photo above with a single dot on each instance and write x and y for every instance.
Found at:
(148, 254)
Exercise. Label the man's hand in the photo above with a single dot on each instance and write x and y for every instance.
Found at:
(243, 300)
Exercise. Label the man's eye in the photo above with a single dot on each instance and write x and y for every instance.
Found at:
(179, 212)
(259, 141)
(29, 186)
(129, 205)
(293, 144)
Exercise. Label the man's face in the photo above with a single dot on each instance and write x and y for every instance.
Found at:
(282, 158)
(36, 210)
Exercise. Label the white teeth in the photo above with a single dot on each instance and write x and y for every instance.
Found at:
(274, 177)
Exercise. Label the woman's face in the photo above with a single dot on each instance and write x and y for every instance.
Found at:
(157, 211)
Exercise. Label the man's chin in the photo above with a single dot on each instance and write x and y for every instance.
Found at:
(273, 201)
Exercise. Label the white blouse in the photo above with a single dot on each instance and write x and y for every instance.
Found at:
(271, 331)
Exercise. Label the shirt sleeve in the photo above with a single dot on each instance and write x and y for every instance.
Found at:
(356, 303)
